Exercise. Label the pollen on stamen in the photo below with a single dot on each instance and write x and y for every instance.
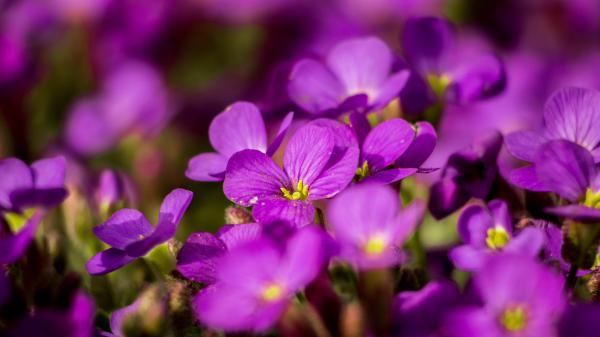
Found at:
(272, 293)
(375, 245)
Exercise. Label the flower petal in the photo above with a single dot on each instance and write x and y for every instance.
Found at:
(281, 133)
(13, 247)
(524, 144)
(123, 228)
(426, 41)
(197, 258)
(526, 177)
(446, 197)
(307, 154)
(390, 175)
(482, 76)
(391, 88)
(467, 257)
(295, 212)
(314, 88)
(501, 214)
(239, 127)
(386, 142)
(234, 235)
(304, 259)
(421, 147)
(251, 175)
(207, 167)
(576, 212)
(15, 176)
(528, 242)
(107, 261)
(472, 226)
(49, 173)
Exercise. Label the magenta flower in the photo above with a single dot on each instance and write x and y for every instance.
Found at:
(319, 161)
(40, 185)
(489, 231)
(239, 127)
(370, 227)
(357, 73)
(12, 247)
(132, 236)
(257, 280)
(519, 297)
(198, 258)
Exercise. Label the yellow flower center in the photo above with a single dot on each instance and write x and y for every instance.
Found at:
(300, 193)
(592, 199)
(375, 245)
(497, 238)
(514, 319)
(438, 83)
(16, 221)
(272, 293)
(363, 171)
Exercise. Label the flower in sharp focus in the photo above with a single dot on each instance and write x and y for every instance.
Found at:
(131, 235)
(487, 231)
(239, 127)
(520, 297)
(357, 73)
(370, 227)
(257, 280)
(319, 161)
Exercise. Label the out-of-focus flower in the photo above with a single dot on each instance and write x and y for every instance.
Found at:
(357, 74)
(13, 58)
(320, 161)
(370, 227)
(456, 71)
(77, 321)
(38, 185)
(97, 123)
(113, 187)
(239, 127)
(580, 320)
(489, 231)
(468, 173)
(132, 236)
(198, 258)
(12, 247)
(257, 280)
(520, 297)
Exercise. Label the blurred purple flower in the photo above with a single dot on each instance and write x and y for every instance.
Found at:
(459, 72)
(520, 297)
(113, 187)
(12, 247)
(257, 280)
(239, 127)
(580, 320)
(198, 258)
(369, 226)
(132, 236)
(357, 74)
(468, 173)
(40, 185)
(487, 231)
(320, 161)
(118, 317)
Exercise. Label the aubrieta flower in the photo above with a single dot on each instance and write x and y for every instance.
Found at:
(487, 231)
(132, 236)
(519, 296)
(113, 188)
(38, 185)
(357, 74)
(198, 258)
(468, 173)
(320, 161)
(257, 280)
(458, 72)
(393, 150)
(239, 127)
(571, 114)
(12, 247)
(370, 227)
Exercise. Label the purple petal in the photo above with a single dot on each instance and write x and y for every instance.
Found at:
(391, 88)
(307, 154)
(390, 175)
(251, 175)
(468, 258)
(281, 133)
(341, 167)
(501, 214)
(360, 125)
(13, 247)
(304, 259)
(566, 168)
(421, 147)
(524, 144)
(87, 131)
(313, 87)
(15, 176)
(426, 41)
(528, 242)
(123, 228)
(482, 76)
(574, 114)
(49, 173)
(576, 212)
(296, 212)
(207, 167)
(362, 65)
(386, 142)
(408, 220)
(416, 96)
(118, 317)
(580, 320)
(234, 235)
(107, 261)
(446, 196)
(197, 259)
(239, 127)
(174, 205)
(472, 226)
(526, 177)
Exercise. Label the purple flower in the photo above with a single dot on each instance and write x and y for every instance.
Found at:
(357, 73)
(38, 185)
(489, 231)
(580, 320)
(113, 187)
(12, 247)
(520, 298)
(392, 143)
(460, 72)
(468, 173)
(239, 127)
(257, 280)
(197, 260)
(118, 318)
(369, 226)
(571, 114)
(132, 236)
(320, 160)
